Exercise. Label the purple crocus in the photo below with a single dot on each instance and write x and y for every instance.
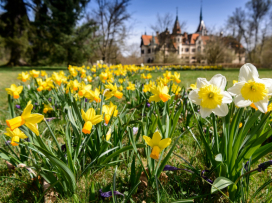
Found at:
(7, 142)
(63, 147)
(18, 106)
(49, 99)
(264, 166)
(205, 177)
(50, 119)
(109, 193)
(135, 130)
(86, 100)
(148, 104)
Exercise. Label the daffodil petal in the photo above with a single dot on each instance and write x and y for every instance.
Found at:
(155, 98)
(164, 143)
(248, 72)
(33, 128)
(204, 112)
(236, 88)
(241, 102)
(200, 82)
(193, 95)
(148, 141)
(34, 118)
(27, 110)
(220, 81)
(262, 105)
(226, 97)
(221, 110)
(96, 119)
(156, 138)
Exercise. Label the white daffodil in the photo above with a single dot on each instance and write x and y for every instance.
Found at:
(211, 97)
(251, 89)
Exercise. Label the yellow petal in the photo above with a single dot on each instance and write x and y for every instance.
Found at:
(156, 138)
(34, 118)
(154, 98)
(33, 128)
(164, 143)
(96, 119)
(155, 154)
(27, 110)
(148, 141)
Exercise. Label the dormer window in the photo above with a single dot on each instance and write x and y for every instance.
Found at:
(178, 39)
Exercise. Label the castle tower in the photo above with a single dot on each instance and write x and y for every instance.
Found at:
(201, 29)
(176, 28)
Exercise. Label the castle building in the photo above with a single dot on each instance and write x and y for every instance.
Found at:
(185, 45)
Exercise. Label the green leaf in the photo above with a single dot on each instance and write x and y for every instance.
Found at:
(220, 183)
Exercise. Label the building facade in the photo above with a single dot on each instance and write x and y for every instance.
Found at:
(185, 46)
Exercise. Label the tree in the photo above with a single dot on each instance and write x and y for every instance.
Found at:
(111, 17)
(13, 29)
(216, 51)
(249, 27)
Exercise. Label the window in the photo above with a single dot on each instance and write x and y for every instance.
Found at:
(193, 50)
(187, 57)
(199, 42)
(193, 57)
(181, 49)
(142, 51)
(149, 51)
(178, 39)
(187, 50)
(178, 49)
(198, 48)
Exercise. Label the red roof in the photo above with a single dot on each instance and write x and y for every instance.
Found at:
(148, 38)
(193, 37)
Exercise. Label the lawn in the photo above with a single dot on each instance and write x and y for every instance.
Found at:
(187, 147)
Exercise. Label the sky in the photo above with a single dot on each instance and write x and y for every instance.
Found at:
(144, 12)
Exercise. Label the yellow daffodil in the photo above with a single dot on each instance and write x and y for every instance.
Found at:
(34, 73)
(90, 119)
(30, 120)
(176, 77)
(131, 86)
(148, 76)
(84, 89)
(193, 86)
(240, 125)
(75, 85)
(143, 76)
(121, 81)
(269, 107)
(89, 78)
(112, 91)
(159, 92)
(109, 111)
(234, 81)
(176, 89)
(57, 78)
(167, 75)
(24, 76)
(15, 135)
(164, 81)
(120, 88)
(93, 95)
(14, 91)
(45, 85)
(157, 143)
(43, 73)
(47, 108)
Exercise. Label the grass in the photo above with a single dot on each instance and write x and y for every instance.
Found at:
(15, 191)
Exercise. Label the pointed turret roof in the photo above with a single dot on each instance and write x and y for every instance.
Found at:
(176, 28)
(201, 25)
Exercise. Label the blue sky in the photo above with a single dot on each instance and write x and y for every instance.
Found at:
(144, 12)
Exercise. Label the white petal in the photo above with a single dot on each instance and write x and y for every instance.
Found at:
(241, 102)
(193, 96)
(204, 112)
(236, 88)
(200, 82)
(226, 97)
(248, 72)
(221, 110)
(219, 81)
(262, 105)
(268, 84)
